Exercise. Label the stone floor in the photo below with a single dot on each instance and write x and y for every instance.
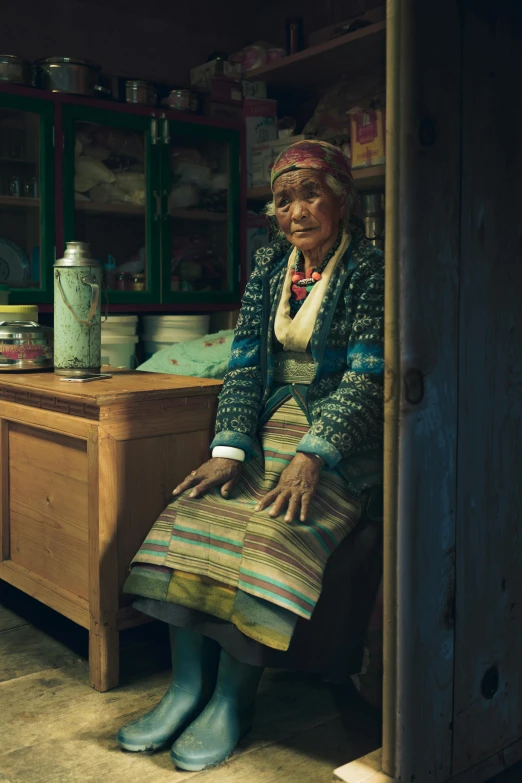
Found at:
(55, 729)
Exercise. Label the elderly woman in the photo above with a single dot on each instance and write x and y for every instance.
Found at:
(262, 559)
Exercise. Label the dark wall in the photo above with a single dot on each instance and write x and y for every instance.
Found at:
(157, 39)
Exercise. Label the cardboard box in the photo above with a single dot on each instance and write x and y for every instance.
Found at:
(254, 89)
(262, 159)
(368, 138)
(256, 236)
(260, 118)
(201, 77)
(225, 90)
(224, 111)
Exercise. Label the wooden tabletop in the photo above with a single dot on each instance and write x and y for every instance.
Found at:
(126, 385)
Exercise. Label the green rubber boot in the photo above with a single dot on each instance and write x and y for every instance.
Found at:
(195, 661)
(212, 737)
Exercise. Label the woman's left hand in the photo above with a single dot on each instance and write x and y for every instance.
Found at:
(296, 488)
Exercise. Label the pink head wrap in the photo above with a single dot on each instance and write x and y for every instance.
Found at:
(318, 155)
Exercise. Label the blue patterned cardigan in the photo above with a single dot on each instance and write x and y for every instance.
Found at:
(345, 400)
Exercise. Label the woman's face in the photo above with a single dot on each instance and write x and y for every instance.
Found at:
(307, 210)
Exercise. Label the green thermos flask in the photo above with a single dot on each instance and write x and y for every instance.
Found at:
(77, 312)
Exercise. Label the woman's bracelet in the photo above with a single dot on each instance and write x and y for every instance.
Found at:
(228, 452)
(322, 461)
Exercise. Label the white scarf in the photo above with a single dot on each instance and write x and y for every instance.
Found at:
(294, 333)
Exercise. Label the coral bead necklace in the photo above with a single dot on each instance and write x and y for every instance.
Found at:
(303, 282)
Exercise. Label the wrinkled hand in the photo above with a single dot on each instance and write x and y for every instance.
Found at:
(297, 486)
(217, 472)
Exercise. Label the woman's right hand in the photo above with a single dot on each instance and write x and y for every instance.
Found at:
(217, 472)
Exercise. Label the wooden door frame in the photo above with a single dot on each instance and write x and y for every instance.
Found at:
(427, 53)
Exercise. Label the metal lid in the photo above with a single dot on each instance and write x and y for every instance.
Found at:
(20, 330)
(77, 254)
(69, 60)
(12, 58)
(28, 309)
(138, 83)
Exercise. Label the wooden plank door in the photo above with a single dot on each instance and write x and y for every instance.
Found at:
(488, 651)
(422, 269)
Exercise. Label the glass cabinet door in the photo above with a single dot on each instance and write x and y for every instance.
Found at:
(26, 198)
(110, 197)
(200, 213)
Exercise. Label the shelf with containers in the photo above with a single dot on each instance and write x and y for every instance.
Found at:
(27, 226)
(336, 68)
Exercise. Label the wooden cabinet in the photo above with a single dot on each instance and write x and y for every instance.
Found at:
(156, 193)
(85, 470)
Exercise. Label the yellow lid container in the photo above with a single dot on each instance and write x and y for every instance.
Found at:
(18, 312)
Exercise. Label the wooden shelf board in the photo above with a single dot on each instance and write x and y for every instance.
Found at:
(261, 193)
(198, 214)
(369, 177)
(18, 201)
(322, 64)
(111, 209)
(18, 160)
(133, 209)
(172, 308)
(365, 179)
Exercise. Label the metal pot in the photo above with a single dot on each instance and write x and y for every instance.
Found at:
(66, 74)
(15, 70)
(137, 91)
(25, 345)
(182, 100)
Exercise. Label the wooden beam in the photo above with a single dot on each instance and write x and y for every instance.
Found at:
(488, 652)
(105, 504)
(429, 78)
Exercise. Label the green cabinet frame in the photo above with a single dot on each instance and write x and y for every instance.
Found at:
(171, 128)
(45, 110)
(157, 133)
(58, 118)
(126, 121)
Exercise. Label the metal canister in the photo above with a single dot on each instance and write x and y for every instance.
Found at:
(373, 214)
(77, 312)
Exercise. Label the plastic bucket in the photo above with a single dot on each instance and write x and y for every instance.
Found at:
(174, 328)
(171, 335)
(119, 350)
(120, 325)
(193, 321)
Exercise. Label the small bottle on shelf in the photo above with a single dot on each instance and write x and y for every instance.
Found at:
(109, 269)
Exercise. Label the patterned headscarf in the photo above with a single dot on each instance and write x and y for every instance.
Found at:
(318, 155)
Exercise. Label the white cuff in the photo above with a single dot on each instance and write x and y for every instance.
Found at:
(228, 452)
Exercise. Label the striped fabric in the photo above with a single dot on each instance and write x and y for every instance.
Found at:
(226, 541)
